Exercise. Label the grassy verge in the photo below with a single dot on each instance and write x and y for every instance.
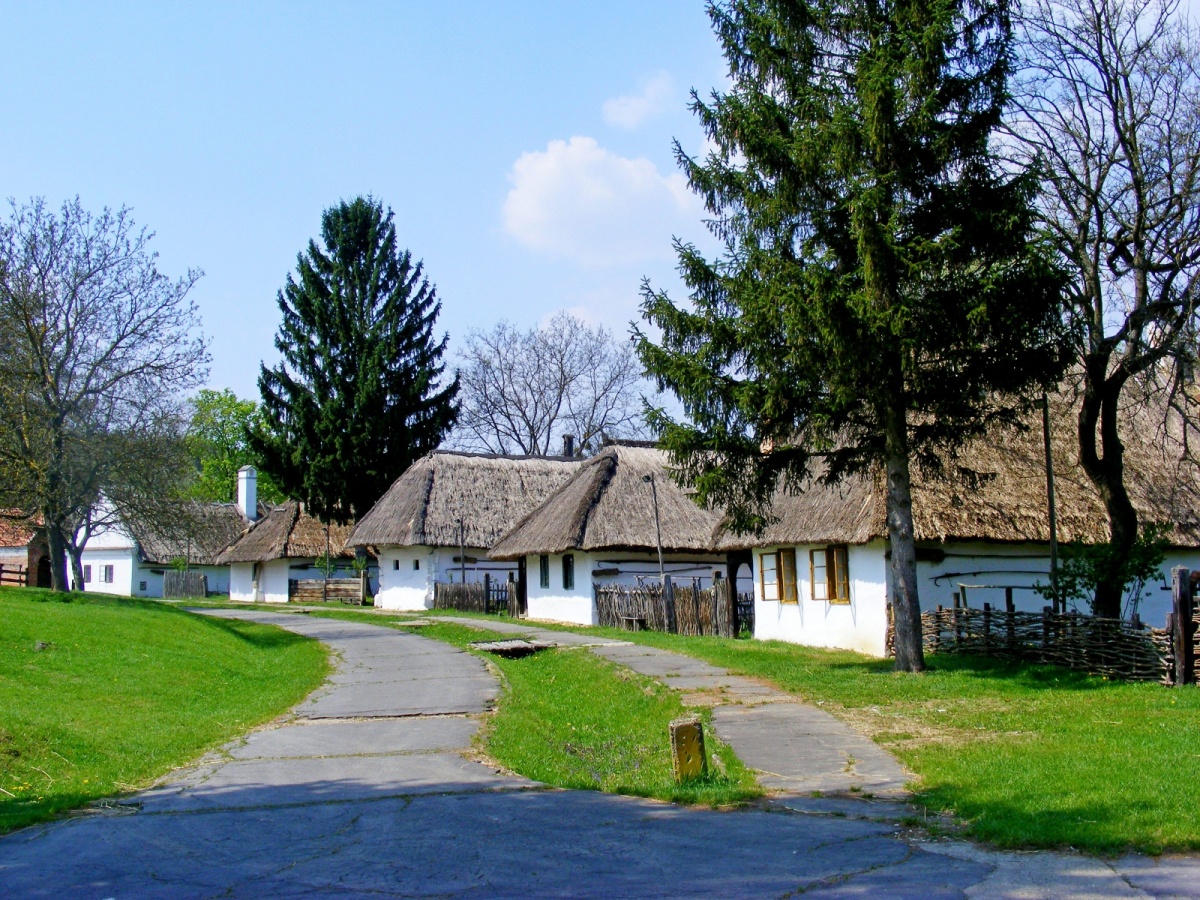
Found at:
(571, 719)
(1027, 756)
(103, 694)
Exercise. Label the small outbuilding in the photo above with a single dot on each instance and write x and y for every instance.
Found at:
(606, 526)
(437, 521)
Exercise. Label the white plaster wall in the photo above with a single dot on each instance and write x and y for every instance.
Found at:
(273, 580)
(630, 565)
(241, 582)
(555, 603)
(123, 562)
(859, 625)
(987, 569)
(405, 588)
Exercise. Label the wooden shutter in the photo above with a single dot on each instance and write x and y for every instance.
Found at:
(787, 576)
(839, 575)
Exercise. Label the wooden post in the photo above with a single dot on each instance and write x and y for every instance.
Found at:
(668, 596)
(1181, 631)
(487, 592)
(987, 628)
(1010, 608)
(1046, 633)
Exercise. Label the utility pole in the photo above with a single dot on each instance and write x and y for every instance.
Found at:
(657, 526)
(1059, 603)
(462, 550)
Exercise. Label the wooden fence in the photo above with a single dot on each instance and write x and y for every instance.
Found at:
(185, 584)
(485, 597)
(679, 610)
(1111, 647)
(336, 590)
(17, 576)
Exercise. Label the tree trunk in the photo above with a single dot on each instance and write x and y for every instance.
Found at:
(902, 564)
(1101, 455)
(57, 551)
(75, 555)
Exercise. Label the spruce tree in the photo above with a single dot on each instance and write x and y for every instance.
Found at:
(357, 397)
(881, 297)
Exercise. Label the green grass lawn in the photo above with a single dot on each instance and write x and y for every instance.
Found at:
(573, 720)
(100, 695)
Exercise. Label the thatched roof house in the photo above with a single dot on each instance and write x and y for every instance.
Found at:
(996, 491)
(609, 504)
(200, 534)
(287, 532)
(488, 493)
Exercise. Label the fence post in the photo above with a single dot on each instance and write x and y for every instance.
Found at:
(1181, 632)
(487, 593)
(668, 594)
(1045, 634)
(987, 628)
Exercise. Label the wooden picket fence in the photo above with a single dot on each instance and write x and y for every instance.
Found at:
(185, 584)
(681, 610)
(1126, 651)
(485, 596)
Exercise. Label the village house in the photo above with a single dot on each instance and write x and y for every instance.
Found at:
(23, 553)
(820, 570)
(131, 558)
(280, 548)
(606, 526)
(437, 521)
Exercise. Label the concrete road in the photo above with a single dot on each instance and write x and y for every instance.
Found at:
(370, 790)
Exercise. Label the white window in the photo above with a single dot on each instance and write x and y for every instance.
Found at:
(106, 574)
(768, 570)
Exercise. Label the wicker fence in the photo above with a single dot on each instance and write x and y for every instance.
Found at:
(680, 610)
(480, 597)
(1111, 647)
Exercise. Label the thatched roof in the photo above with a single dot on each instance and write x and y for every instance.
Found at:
(287, 532)
(1009, 501)
(608, 505)
(199, 534)
(489, 493)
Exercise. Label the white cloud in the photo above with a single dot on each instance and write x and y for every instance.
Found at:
(630, 112)
(578, 200)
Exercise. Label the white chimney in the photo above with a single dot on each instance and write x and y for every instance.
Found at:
(247, 494)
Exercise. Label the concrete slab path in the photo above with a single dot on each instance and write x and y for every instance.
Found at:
(367, 791)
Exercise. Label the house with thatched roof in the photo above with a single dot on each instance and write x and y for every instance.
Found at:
(437, 521)
(606, 526)
(281, 547)
(983, 533)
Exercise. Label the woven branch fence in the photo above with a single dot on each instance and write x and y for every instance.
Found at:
(1111, 647)
(480, 597)
(682, 610)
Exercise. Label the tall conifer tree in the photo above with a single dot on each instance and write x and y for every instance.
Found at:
(880, 298)
(357, 398)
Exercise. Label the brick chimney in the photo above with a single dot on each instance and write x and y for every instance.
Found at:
(247, 492)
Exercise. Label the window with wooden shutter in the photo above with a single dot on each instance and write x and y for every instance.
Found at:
(568, 572)
(829, 574)
(544, 571)
(787, 576)
(768, 568)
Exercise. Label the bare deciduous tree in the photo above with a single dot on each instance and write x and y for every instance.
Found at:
(98, 348)
(1109, 106)
(523, 390)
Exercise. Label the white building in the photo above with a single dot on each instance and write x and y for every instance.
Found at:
(437, 521)
(605, 526)
(820, 571)
(279, 548)
(131, 558)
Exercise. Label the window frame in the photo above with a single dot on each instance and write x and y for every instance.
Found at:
(108, 574)
(87, 574)
(568, 571)
(789, 581)
(834, 587)
(544, 570)
(773, 558)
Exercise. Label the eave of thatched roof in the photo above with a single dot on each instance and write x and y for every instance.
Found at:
(607, 504)
(199, 534)
(1008, 501)
(287, 532)
(488, 493)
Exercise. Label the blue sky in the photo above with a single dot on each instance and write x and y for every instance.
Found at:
(524, 147)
